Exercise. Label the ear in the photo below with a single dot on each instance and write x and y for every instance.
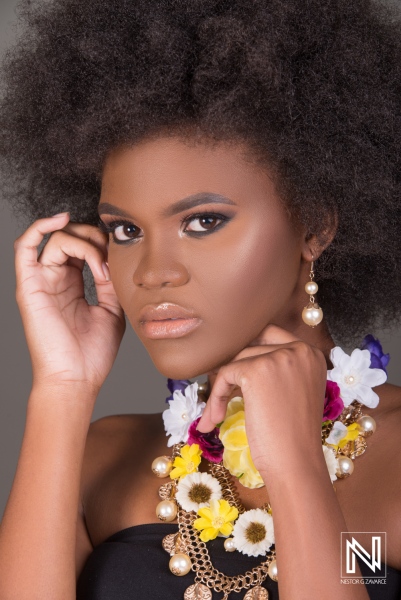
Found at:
(314, 244)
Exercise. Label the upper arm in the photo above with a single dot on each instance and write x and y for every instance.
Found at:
(104, 445)
(91, 468)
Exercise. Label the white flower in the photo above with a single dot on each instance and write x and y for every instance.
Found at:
(354, 376)
(331, 461)
(253, 532)
(182, 411)
(196, 490)
(338, 432)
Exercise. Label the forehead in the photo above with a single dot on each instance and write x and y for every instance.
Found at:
(172, 168)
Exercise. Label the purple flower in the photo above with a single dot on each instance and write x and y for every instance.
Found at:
(378, 360)
(176, 384)
(209, 443)
(333, 404)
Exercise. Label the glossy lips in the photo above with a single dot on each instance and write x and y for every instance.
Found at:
(167, 320)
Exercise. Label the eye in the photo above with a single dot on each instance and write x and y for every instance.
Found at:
(120, 230)
(204, 223)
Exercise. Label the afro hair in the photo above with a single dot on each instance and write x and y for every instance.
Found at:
(313, 87)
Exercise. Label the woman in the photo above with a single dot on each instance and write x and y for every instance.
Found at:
(214, 158)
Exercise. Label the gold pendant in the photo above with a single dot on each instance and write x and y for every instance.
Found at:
(257, 593)
(172, 543)
(197, 591)
(165, 490)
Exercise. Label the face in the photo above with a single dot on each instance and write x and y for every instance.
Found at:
(202, 228)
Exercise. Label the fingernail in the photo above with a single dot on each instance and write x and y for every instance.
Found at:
(60, 214)
(106, 271)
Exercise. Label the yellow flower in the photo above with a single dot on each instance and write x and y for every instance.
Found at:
(187, 463)
(237, 457)
(216, 519)
(352, 434)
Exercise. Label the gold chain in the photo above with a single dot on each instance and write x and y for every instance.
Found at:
(205, 572)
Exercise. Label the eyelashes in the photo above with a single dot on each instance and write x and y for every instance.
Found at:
(110, 229)
(114, 225)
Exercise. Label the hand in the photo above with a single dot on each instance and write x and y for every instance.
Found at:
(70, 341)
(282, 380)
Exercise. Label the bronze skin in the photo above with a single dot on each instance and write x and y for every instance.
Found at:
(238, 266)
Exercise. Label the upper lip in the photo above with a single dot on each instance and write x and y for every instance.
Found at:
(164, 310)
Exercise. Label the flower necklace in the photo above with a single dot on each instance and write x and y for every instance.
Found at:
(207, 504)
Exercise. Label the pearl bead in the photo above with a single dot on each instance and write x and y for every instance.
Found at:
(272, 570)
(162, 466)
(180, 564)
(345, 466)
(203, 387)
(312, 315)
(367, 424)
(166, 510)
(229, 545)
(311, 287)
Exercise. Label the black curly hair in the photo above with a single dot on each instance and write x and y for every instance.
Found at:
(313, 87)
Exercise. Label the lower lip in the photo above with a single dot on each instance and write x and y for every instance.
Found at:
(169, 328)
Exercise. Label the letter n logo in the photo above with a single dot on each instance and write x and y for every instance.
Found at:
(352, 549)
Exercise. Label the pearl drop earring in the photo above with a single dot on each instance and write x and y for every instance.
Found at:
(312, 314)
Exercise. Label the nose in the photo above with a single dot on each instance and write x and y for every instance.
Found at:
(157, 268)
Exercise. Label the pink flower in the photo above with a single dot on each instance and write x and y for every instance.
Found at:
(209, 443)
(333, 404)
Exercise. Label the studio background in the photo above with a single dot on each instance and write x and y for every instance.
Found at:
(133, 386)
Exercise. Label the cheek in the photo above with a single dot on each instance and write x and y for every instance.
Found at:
(248, 281)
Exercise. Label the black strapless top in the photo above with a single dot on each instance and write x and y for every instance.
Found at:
(132, 565)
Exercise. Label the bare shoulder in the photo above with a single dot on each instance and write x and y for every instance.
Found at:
(388, 412)
(112, 438)
(116, 473)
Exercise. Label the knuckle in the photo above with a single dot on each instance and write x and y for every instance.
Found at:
(286, 357)
(303, 348)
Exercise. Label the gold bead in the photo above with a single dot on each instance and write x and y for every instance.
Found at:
(311, 287)
(180, 564)
(162, 466)
(272, 570)
(367, 424)
(345, 466)
(312, 315)
(229, 545)
(166, 510)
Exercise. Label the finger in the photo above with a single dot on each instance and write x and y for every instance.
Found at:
(272, 334)
(81, 231)
(26, 245)
(222, 390)
(91, 233)
(62, 246)
(71, 262)
(257, 350)
(106, 295)
(229, 377)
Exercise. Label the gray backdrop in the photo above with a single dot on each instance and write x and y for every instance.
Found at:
(133, 386)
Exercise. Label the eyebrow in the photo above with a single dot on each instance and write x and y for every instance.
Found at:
(177, 207)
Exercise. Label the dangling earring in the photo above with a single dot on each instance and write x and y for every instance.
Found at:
(312, 314)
